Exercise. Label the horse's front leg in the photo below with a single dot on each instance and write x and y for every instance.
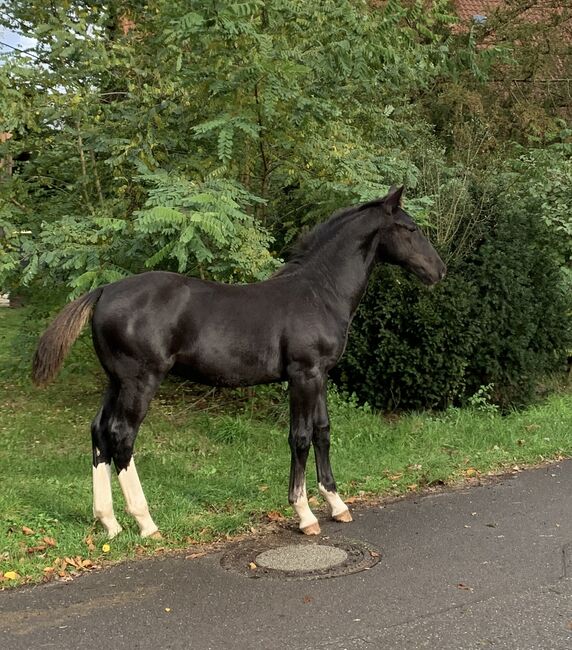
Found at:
(321, 441)
(304, 389)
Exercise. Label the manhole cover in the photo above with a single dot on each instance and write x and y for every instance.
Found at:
(301, 557)
(292, 557)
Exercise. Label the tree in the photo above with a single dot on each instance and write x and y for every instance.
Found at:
(163, 137)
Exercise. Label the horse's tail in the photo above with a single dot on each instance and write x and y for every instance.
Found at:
(57, 340)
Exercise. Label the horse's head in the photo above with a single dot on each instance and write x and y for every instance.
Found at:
(402, 242)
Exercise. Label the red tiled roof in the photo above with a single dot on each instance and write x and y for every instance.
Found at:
(531, 11)
(518, 13)
(467, 9)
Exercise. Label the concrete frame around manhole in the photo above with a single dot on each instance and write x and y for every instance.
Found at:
(289, 556)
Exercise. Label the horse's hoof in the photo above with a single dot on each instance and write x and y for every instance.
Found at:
(312, 529)
(113, 531)
(345, 517)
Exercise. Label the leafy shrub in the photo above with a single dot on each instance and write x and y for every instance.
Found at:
(409, 347)
(500, 317)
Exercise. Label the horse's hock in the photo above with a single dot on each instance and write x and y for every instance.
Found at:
(291, 557)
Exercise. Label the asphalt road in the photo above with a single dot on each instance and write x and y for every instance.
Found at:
(483, 567)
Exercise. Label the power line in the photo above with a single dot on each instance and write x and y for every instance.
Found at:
(17, 49)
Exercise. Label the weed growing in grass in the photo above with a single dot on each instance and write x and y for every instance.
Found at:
(482, 400)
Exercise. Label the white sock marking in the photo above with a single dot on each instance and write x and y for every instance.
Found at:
(337, 506)
(307, 517)
(135, 500)
(102, 499)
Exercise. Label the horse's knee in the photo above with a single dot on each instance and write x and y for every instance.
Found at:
(322, 433)
(300, 442)
(122, 439)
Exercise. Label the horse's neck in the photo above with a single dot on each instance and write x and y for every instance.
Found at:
(344, 267)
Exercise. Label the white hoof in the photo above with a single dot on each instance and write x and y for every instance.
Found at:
(312, 529)
(113, 529)
(151, 532)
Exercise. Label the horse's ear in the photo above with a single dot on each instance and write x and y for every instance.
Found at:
(393, 198)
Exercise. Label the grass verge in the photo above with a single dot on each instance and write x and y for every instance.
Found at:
(213, 468)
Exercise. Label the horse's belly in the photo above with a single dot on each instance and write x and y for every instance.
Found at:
(219, 364)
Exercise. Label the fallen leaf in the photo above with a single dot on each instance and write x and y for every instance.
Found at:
(11, 575)
(48, 569)
(313, 501)
(36, 549)
(275, 516)
(167, 609)
(464, 587)
(350, 500)
(75, 562)
(89, 543)
(193, 556)
(50, 541)
(308, 599)
(412, 487)
(374, 554)
(263, 488)
(470, 471)
(252, 566)
(395, 477)
(27, 531)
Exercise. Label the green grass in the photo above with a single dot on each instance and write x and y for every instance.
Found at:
(214, 466)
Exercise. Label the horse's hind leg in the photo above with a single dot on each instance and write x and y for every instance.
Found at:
(102, 499)
(321, 442)
(304, 387)
(130, 409)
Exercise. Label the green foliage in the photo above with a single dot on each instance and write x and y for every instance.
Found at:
(163, 137)
(408, 347)
(540, 181)
(501, 318)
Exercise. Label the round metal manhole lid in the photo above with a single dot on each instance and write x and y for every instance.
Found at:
(295, 558)
(301, 557)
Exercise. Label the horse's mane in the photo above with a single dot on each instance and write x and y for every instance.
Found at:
(308, 243)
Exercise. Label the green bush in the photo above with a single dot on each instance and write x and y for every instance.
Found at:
(500, 317)
(409, 347)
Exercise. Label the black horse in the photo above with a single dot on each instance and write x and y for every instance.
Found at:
(292, 327)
